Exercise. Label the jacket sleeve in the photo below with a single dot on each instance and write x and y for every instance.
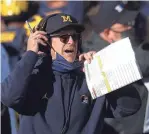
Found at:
(123, 102)
(142, 57)
(23, 89)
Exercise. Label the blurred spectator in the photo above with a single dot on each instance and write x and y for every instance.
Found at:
(142, 30)
(142, 22)
(99, 31)
(3, 26)
(74, 8)
(8, 118)
(5, 117)
(5, 68)
(14, 13)
(146, 121)
(112, 21)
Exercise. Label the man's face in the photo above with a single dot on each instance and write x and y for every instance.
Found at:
(65, 43)
(114, 33)
(119, 28)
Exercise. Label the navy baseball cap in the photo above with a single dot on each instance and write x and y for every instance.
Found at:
(60, 21)
(111, 12)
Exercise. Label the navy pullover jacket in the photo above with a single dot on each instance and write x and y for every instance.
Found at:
(51, 102)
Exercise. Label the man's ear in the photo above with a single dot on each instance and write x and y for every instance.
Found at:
(105, 34)
(53, 53)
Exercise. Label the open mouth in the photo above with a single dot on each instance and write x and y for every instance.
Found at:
(69, 51)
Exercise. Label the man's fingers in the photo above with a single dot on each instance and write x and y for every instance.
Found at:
(40, 52)
(87, 57)
(84, 57)
(39, 32)
(81, 57)
(94, 52)
(41, 42)
(40, 36)
(91, 54)
(33, 35)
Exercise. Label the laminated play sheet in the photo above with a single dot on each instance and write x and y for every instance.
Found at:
(112, 68)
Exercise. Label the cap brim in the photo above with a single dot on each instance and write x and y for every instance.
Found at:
(78, 27)
(128, 16)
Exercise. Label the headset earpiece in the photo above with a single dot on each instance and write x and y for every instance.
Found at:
(41, 27)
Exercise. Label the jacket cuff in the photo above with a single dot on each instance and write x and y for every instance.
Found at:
(30, 56)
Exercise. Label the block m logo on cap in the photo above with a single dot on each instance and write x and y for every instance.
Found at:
(66, 18)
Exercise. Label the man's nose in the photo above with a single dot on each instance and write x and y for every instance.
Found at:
(70, 41)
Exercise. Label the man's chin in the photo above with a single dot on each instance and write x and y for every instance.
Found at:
(70, 57)
(70, 60)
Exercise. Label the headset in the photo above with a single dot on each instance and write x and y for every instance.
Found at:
(41, 27)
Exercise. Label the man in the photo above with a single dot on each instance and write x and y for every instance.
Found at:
(51, 92)
(112, 22)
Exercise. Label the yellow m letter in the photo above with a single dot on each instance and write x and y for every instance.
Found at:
(66, 18)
